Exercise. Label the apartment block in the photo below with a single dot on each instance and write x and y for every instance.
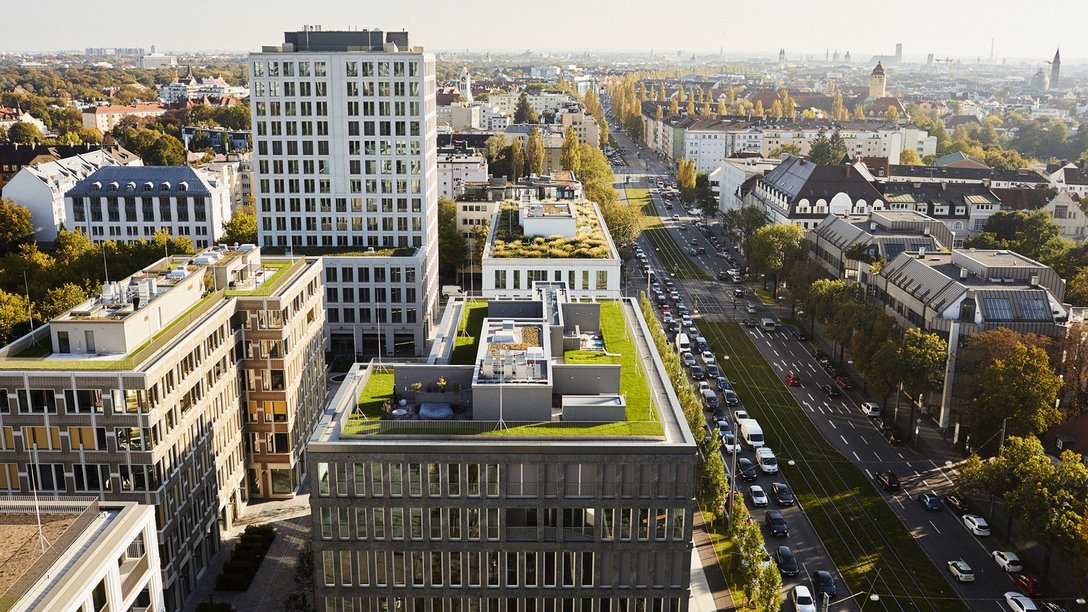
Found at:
(515, 474)
(190, 386)
(344, 131)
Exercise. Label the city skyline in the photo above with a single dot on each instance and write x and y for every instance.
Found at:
(1020, 36)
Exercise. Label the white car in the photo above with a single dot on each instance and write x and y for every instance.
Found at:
(766, 460)
(976, 524)
(1019, 603)
(703, 385)
(1008, 561)
(708, 357)
(802, 599)
(729, 443)
(758, 496)
(961, 570)
(741, 415)
(675, 295)
(686, 321)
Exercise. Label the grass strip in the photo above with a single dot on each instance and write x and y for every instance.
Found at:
(468, 336)
(662, 241)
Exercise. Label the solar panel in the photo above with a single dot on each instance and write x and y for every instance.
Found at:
(998, 308)
(1034, 307)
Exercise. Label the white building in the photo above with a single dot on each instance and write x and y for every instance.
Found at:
(734, 173)
(102, 556)
(550, 242)
(235, 170)
(11, 116)
(133, 202)
(41, 188)
(455, 168)
(492, 119)
(344, 130)
(192, 88)
(802, 193)
(550, 101)
(105, 118)
(154, 61)
(710, 141)
(1068, 214)
(459, 116)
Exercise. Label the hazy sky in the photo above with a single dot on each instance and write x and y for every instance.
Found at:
(956, 28)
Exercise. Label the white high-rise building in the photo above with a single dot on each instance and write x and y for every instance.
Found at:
(344, 128)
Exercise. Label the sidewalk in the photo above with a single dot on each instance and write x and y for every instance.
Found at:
(708, 575)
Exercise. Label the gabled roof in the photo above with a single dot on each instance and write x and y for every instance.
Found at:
(157, 176)
(956, 159)
(800, 179)
(1024, 198)
(1021, 175)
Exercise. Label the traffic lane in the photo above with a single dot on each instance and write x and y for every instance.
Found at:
(942, 535)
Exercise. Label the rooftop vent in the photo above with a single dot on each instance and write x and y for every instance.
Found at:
(963, 273)
(1035, 281)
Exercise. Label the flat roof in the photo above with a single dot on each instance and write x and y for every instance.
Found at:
(507, 238)
(999, 258)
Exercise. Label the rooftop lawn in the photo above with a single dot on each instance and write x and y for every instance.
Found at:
(851, 516)
(468, 332)
(510, 239)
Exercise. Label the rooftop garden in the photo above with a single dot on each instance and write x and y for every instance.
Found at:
(468, 332)
(588, 243)
(353, 251)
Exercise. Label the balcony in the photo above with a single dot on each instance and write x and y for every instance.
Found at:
(132, 573)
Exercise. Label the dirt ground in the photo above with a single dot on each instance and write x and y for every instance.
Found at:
(19, 545)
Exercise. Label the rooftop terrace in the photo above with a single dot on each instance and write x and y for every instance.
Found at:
(554, 229)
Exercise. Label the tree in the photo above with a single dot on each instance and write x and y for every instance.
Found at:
(674, 107)
(451, 242)
(1032, 235)
(167, 151)
(712, 487)
(922, 358)
(776, 109)
(1080, 555)
(569, 156)
(690, 108)
(1077, 288)
(769, 590)
(908, 157)
(838, 148)
(744, 221)
(16, 225)
(534, 152)
(773, 247)
(723, 108)
(24, 132)
(90, 135)
(1075, 371)
(759, 111)
(739, 515)
(819, 150)
(704, 196)
(242, 227)
(977, 353)
(892, 114)
(659, 114)
(517, 160)
(1020, 388)
(479, 240)
(786, 148)
(882, 373)
(751, 548)
(685, 179)
(859, 113)
(596, 175)
(523, 112)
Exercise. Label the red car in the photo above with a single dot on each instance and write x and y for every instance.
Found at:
(842, 382)
(1029, 584)
(793, 380)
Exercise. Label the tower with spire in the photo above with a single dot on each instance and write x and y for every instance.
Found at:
(464, 84)
(781, 59)
(1055, 69)
(878, 82)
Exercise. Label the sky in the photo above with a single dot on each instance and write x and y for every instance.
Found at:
(959, 28)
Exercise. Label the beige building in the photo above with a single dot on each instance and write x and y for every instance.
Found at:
(584, 125)
(190, 387)
(105, 118)
(96, 555)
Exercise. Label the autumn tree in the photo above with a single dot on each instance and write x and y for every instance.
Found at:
(569, 155)
(16, 225)
(1018, 390)
(534, 152)
(242, 227)
(517, 160)
(685, 179)
(908, 157)
(1074, 367)
(59, 300)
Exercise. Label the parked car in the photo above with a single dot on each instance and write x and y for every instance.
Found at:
(782, 494)
(976, 524)
(1030, 584)
(871, 409)
(797, 334)
(888, 480)
(957, 502)
(776, 524)
(961, 571)
(830, 391)
(930, 502)
(787, 562)
(891, 433)
(843, 382)
(793, 380)
(824, 582)
(757, 495)
(1020, 603)
(1008, 561)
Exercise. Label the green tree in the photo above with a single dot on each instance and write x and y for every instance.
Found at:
(908, 157)
(523, 112)
(882, 373)
(517, 160)
(773, 247)
(751, 548)
(922, 358)
(769, 591)
(596, 175)
(14, 314)
(16, 226)
(23, 132)
(59, 300)
(569, 157)
(534, 152)
(744, 221)
(819, 150)
(740, 515)
(1032, 235)
(837, 146)
(242, 227)
(451, 242)
(1020, 388)
(704, 196)
(712, 487)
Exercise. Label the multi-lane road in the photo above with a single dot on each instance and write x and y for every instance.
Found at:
(842, 424)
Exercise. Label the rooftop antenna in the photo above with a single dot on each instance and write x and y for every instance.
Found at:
(34, 474)
(29, 310)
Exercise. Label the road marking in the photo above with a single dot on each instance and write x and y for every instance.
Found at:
(934, 527)
(858, 459)
(909, 466)
(901, 456)
(900, 502)
(852, 426)
(775, 352)
(812, 367)
(924, 482)
(821, 409)
(832, 424)
(811, 398)
(844, 439)
(875, 454)
(868, 473)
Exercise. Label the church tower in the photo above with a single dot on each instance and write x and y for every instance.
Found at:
(1055, 68)
(464, 84)
(877, 82)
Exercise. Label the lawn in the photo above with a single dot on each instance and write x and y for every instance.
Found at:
(468, 333)
(857, 526)
(669, 254)
(764, 295)
(723, 548)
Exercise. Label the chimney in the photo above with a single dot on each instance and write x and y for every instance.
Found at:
(1035, 280)
(921, 252)
(925, 231)
(963, 273)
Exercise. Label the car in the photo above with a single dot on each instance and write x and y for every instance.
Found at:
(691, 251)
(702, 251)
(961, 571)
(693, 332)
(674, 295)
(787, 562)
(703, 385)
(708, 357)
(1029, 584)
(776, 524)
(757, 495)
(724, 425)
(1049, 606)
(824, 583)
(766, 460)
(688, 359)
(676, 217)
(667, 319)
(782, 494)
(1020, 603)
(793, 380)
(818, 354)
(738, 292)
(713, 371)
(683, 228)
(957, 502)
(674, 327)
(671, 286)
(746, 469)
(871, 409)
(741, 415)
(729, 443)
(802, 599)
(797, 334)
(843, 382)
(731, 397)
(976, 524)
(930, 502)
(697, 373)
(722, 276)
(750, 308)
(750, 323)
(723, 383)
(1008, 561)
(891, 433)
(888, 480)
(830, 391)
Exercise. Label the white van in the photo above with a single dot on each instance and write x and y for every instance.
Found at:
(751, 433)
(682, 343)
(871, 409)
(766, 460)
(710, 399)
(768, 324)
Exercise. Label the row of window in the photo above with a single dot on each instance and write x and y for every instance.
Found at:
(87, 477)
(381, 480)
(520, 603)
(326, 205)
(531, 276)
(326, 241)
(384, 315)
(276, 68)
(99, 209)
